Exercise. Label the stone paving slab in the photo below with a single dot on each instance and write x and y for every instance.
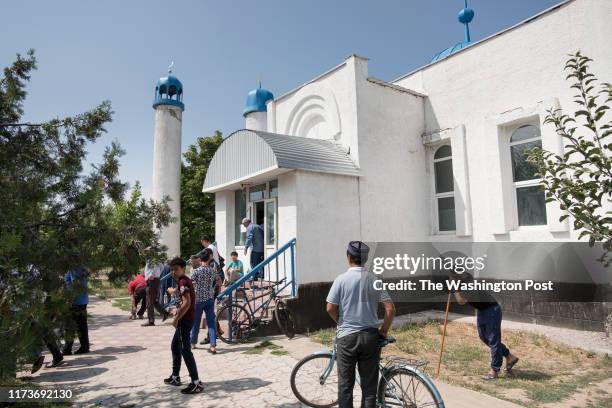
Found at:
(128, 363)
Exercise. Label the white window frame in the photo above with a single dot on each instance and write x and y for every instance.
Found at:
(525, 183)
(436, 195)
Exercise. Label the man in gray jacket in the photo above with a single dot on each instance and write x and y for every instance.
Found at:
(255, 241)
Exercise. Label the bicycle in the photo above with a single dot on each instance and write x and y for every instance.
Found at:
(245, 320)
(401, 382)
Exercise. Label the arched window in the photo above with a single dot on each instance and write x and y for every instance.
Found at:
(444, 188)
(529, 195)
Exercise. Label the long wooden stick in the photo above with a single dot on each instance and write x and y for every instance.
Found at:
(443, 333)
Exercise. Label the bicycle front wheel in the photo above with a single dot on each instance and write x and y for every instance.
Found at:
(314, 381)
(406, 388)
(284, 319)
(239, 330)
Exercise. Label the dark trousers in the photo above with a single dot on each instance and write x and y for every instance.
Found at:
(181, 347)
(489, 331)
(78, 323)
(358, 349)
(256, 259)
(152, 299)
(140, 296)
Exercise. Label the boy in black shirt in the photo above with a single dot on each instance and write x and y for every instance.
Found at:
(488, 321)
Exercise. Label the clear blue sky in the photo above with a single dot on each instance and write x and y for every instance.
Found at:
(116, 50)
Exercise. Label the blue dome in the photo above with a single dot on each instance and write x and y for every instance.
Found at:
(256, 100)
(169, 91)
(466, 15)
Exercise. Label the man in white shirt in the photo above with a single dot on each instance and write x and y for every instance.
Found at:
(207, 243)
(152, 273)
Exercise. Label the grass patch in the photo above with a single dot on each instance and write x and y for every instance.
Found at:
(548, 373)
(266, 345)
(106, 290)
(124, 304)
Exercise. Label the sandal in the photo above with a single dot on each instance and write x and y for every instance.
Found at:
(489, 377)
(509, 366)
(212, 350)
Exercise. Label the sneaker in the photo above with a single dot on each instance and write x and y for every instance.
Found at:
(148, 324)
(55, 363)
(193, 388)
(38, 364)
(172, 380)
(82, 350)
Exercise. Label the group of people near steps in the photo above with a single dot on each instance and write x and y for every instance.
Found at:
(194, 296)
(352, 303)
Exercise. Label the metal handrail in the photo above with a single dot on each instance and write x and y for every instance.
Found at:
(277, 285)
(260, 266)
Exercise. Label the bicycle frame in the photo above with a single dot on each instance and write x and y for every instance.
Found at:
(382, 370)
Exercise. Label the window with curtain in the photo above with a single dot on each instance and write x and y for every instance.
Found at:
(444, 188)
(529, 195)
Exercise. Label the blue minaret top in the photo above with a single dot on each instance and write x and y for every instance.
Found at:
(465, 16)
(169, 91)
(256, 100)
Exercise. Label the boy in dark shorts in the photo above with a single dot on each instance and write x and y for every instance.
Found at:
(183, 321)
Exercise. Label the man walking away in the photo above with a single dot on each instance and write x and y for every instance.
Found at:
(206, 280)
(137, 289)
(488, 321)
(153, 271)
(183, 321)
(353, 302)
(255, 241)
(76, 286)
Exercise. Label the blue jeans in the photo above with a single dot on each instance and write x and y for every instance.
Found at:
(489, 331)
(207, 307)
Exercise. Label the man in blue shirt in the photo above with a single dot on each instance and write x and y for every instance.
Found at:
(255, 241)
(353, 303)
(76, 288)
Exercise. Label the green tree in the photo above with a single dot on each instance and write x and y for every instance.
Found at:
(55, 216)
(581, 178)
(197, 208)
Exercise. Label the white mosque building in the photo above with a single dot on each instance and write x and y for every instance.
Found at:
(426, 157)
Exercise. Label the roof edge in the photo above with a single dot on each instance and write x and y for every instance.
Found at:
(490, 37)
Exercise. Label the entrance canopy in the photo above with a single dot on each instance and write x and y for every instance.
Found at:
(248, 154)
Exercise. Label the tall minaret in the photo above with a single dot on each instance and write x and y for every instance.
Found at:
(168, 105)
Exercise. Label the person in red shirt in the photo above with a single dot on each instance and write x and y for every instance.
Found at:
(183, 322)
(137, 289)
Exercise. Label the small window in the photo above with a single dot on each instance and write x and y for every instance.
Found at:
(529, 195)
(273, 188)
(444, 189)
(257, 192)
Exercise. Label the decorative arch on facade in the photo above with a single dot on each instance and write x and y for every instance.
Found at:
(316, 107)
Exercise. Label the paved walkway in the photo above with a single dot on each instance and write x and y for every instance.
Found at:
(128, 362)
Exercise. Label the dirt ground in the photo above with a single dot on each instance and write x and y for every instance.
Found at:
(549, 374)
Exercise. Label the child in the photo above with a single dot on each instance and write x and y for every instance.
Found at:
(234, 269)
(183, 321)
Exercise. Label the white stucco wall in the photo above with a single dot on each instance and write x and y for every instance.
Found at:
(327, 219)
(499, 84)
(256, 121)
(167, 171)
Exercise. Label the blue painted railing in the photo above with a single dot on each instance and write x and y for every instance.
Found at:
(166, 282)
(276, 273)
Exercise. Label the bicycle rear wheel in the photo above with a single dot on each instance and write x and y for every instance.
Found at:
(241, 324)
(284, 319)
(313, 383)
(406, 388)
